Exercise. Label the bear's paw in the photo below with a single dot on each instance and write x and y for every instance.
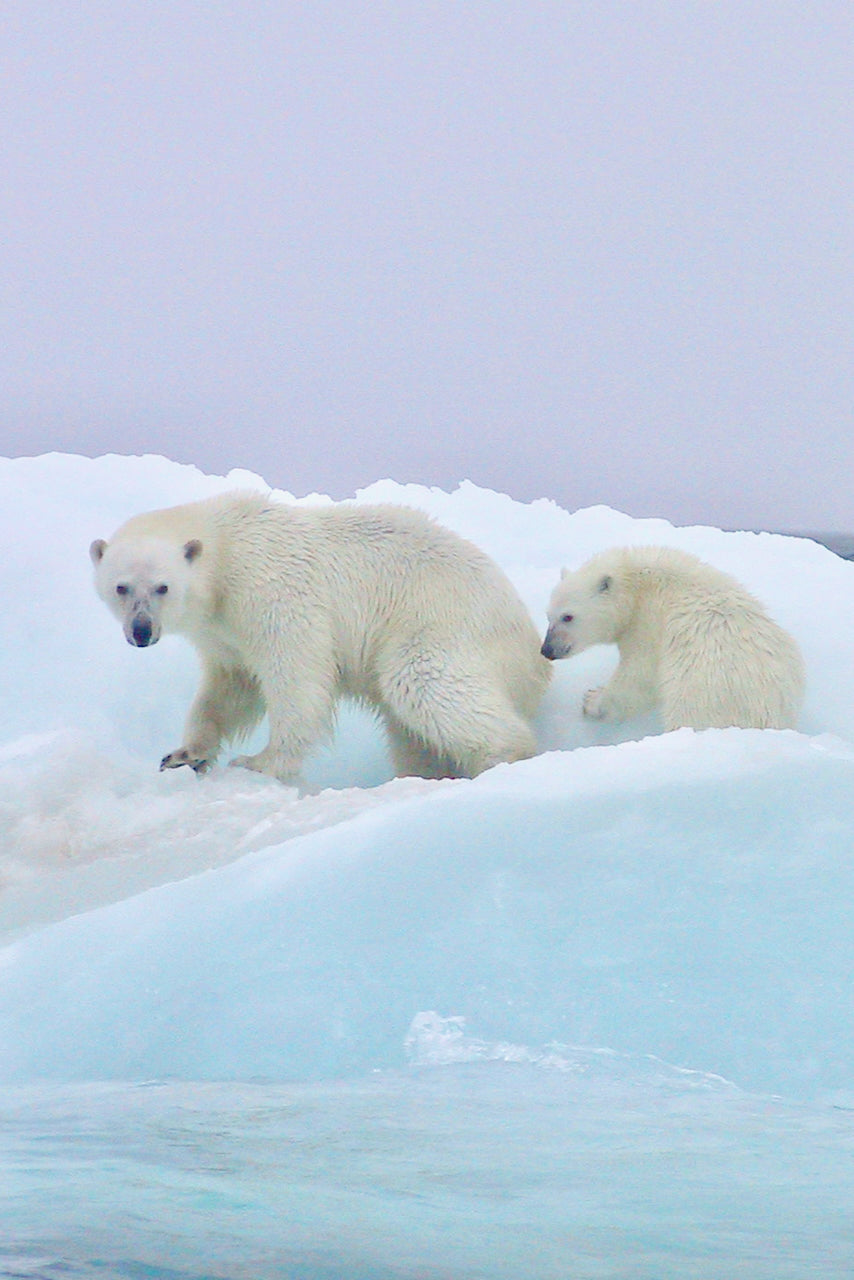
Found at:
(593, 704)
(175, 759)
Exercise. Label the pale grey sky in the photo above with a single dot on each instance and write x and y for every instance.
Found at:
(600, 252)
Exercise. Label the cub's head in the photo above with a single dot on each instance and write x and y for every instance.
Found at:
(144, 581)
(584, 610)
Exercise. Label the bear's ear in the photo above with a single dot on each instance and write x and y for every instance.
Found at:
(563, 573)
(605, 584)
(97, 549)
(192, 550)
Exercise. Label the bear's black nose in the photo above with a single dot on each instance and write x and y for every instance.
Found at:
(141, 633)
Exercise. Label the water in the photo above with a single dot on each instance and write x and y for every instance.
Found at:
(589, 1166)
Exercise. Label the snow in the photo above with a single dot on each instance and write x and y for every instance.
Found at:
(594, 1005)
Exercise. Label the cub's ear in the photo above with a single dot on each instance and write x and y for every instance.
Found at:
(192, 550)
(605, 584)
(96, 551)
(563, 573)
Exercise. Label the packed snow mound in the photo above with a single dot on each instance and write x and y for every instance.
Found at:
(678, 897)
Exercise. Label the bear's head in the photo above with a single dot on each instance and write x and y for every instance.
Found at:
(145, 582)
(584, 610)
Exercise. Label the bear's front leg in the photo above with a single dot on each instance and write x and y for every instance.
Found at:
(630, 692)
(592, 704)
(300, 711)
(274, 763)
(295, 729)
(605, 703)
(229, 703)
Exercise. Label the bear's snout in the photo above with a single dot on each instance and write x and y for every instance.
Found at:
(553, 647)
(556, 645)
(141, 633)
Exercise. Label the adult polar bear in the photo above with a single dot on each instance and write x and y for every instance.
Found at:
(291, 608)
(693, 642)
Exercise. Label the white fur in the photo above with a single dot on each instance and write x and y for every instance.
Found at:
(693, 642)
(292, 608)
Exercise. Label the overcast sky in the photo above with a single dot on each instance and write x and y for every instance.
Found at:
(595, 251)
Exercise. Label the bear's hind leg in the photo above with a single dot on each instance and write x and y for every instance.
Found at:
(463, 719)
(413, 758)
(503, 741)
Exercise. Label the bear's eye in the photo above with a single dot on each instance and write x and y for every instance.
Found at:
(161, 589)
(566, 617)
(122, 589)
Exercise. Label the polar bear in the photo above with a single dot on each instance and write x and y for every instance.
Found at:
(693, 643)
(291, 608)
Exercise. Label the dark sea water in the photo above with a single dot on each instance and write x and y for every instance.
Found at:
(842, 544)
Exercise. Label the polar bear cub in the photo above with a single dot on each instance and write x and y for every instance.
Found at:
(292, 608)
(693, 643)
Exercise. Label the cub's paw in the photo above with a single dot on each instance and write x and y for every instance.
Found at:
(176, 759)
(593, 704)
